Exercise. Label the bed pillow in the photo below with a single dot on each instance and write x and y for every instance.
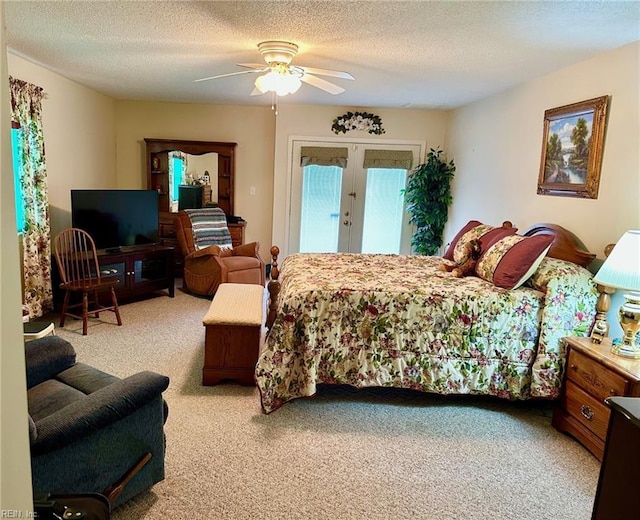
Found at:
(485, 233)
(452, 245)
(510, 261)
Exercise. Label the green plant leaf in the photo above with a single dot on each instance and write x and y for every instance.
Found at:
(428, 197)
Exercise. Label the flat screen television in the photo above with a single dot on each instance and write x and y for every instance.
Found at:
(116, 218)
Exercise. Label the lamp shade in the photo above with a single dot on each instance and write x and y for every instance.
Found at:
(621, 269)
(282, 82)
(267, 83)
(288, 84)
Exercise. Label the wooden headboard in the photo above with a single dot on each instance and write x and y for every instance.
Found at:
(566, 246)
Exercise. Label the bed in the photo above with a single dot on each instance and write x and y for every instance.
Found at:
(399, 321)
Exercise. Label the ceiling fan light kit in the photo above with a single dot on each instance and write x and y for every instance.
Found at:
(282, 78)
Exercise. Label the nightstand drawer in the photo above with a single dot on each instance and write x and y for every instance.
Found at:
(593, 377)
(592, 413)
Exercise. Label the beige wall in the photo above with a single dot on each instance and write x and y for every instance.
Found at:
(15, 467)
(315, 121)
(497, 145)
(79, 132)
(251, 127)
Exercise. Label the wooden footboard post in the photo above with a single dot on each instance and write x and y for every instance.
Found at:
(273, 287)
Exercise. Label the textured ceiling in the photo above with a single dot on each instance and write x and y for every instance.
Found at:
(418, 54)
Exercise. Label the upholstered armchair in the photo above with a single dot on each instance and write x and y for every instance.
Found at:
(209, 258)
(91, 432)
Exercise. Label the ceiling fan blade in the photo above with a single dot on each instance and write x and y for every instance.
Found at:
(322, 84)
(256, 92)
(325, 72)
(226, 75)
(253, 65)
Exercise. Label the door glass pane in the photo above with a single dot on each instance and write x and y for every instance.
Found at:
(320, 212)
(383, 210)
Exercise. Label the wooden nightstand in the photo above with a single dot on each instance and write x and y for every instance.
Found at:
(592, 374)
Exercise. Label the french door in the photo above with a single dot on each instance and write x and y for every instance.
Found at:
(347, 197)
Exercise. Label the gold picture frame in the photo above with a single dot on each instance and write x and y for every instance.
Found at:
(572, 148)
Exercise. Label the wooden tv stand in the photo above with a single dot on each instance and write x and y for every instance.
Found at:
(141, 269)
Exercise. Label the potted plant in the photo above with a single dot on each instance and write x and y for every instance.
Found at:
(428, 196)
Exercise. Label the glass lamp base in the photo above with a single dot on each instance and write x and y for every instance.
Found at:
(630, 322)
(626, 351)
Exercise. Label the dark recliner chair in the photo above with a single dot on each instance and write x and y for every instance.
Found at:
(91, 432)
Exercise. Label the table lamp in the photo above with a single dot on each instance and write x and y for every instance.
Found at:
(621, 270)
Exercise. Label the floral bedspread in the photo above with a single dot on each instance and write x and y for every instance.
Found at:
(389, 320)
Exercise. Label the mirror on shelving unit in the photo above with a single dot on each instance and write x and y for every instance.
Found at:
(192, 170)
(171, 163)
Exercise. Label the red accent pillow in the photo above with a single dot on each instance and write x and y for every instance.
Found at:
(467, 227)
(492, 236)
(512, 260)
(475, 229)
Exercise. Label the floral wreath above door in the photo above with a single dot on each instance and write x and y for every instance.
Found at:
(357, 121)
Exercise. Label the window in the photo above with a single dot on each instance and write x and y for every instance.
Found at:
(178, 175)
(16, 150)
(177, 169)
(383, 210)
(320, 211)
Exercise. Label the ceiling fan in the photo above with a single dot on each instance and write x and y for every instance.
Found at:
(280, 76)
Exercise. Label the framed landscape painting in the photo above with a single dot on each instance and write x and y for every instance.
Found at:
(572, 146)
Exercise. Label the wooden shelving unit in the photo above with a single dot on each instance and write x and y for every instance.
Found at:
(157, 163)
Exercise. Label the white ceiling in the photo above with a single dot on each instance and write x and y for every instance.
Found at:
(419, 54)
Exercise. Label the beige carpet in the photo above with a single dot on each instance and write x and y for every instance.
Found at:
(344, 454)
